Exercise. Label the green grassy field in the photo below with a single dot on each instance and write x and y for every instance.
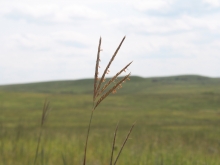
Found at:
(177, 122)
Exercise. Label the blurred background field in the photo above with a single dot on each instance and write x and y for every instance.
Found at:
(177, 122)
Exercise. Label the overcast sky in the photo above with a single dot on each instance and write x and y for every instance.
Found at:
(57, 40)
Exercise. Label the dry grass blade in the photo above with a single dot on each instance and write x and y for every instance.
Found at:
(113, 144)
(111, 90)
(112, 79)
(43, 118)
(96, 69)
(45, 112)
(106, 69)
(124, 144)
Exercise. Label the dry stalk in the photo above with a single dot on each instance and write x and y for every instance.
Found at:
(45, 112)
(97, 91)
(43, 119)
(107, 67)
(124, 144)
(113, 144)
(96, 69)
(111, 90)
(112, 79)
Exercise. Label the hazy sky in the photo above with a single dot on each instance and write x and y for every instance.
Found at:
(57, 40)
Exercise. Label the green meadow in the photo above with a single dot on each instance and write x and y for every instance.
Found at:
(177, 122)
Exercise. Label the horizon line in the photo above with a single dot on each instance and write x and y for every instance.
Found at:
(34, 82)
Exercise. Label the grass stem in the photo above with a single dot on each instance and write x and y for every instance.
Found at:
(87, 137)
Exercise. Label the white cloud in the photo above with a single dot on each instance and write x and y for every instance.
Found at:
(29, 41)
(144, 5)
(212, 3)
(47, 12)
(71, 36)
(58, 39)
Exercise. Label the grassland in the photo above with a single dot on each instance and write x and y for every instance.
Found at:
(177, 122)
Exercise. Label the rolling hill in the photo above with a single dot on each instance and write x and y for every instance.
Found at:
(183, 84)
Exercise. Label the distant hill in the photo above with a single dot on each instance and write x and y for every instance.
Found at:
(183, 83)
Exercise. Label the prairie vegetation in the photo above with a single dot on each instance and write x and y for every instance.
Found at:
(177, 122)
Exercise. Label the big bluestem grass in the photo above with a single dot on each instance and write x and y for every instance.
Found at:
(101, 92)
